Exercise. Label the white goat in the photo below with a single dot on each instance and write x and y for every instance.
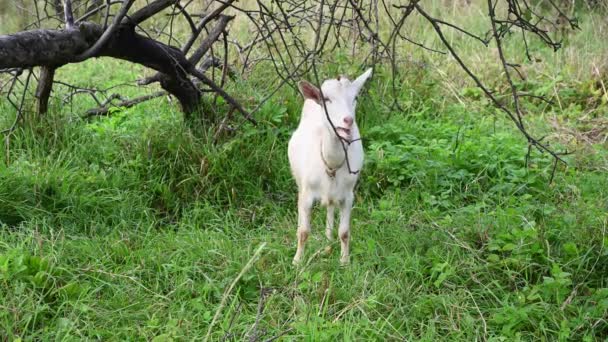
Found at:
(317, 159)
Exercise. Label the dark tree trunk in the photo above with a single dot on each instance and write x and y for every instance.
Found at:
(43, 91)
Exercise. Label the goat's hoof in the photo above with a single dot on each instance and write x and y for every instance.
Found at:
(296, 261)
(344, 262)
(327, 250)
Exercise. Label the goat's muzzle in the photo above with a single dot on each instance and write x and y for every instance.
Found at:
(344, 133)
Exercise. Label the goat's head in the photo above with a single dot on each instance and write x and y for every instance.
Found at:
(340, 97)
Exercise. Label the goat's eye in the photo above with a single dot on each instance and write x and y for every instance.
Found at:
(327, 99)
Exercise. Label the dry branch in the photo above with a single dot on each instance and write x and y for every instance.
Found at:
(105, 110)
(200, 51)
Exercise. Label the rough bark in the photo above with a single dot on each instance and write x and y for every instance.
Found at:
(42, 47)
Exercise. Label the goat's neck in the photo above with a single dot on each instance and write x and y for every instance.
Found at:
(331, 149)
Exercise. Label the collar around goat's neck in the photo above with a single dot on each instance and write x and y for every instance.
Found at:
(331, 172)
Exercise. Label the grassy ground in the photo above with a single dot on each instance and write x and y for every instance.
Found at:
(138, 227)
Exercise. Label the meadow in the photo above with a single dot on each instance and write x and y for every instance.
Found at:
(139, 226)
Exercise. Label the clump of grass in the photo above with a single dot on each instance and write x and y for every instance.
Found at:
(134, 226)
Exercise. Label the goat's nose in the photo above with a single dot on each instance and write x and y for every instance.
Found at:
(348, 120)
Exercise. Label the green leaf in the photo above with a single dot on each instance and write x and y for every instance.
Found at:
(508, 247)
(162, 338)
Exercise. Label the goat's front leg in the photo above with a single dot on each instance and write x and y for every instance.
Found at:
(329, 224)
(304, 208)
(329, 227)
(344, 230)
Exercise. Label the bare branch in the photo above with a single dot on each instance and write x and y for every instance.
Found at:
(106, 108)
(19, 109)
(150, 10)
(223, 94)
(531, 140)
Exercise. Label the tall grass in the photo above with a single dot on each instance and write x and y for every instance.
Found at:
(136, 225)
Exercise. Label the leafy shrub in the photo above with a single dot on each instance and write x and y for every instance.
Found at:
(448, 163)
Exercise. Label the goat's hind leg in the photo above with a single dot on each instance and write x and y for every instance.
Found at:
(304, 208)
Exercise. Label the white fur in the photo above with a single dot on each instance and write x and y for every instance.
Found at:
(312, 173)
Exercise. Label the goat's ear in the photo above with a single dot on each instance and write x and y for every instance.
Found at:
(360, 81)
(309, 91)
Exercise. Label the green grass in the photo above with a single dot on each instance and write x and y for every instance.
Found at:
(133, 227)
